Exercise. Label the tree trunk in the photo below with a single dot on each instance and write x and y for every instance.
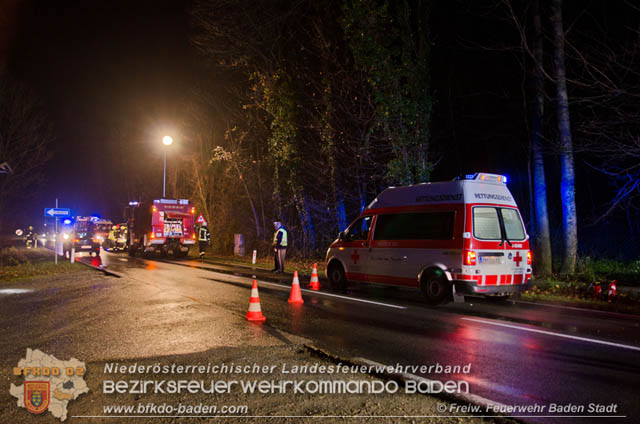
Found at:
(567, 177)
(542, 240)
(248, 193)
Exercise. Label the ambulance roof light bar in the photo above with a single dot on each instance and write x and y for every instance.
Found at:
(483, 176)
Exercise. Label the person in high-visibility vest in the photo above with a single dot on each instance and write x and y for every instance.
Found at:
(280, 245)
(204, 237)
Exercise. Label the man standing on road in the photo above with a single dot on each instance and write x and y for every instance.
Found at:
(280, 245)
(204, 237)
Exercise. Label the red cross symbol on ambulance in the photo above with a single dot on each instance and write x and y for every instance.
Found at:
(355, 257)
(517, 259)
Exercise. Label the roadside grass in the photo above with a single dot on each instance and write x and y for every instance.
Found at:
(583, 294)
(21, 263)
(591, 270)
(302, 265)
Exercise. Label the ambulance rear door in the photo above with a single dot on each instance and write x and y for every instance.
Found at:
(501, 247)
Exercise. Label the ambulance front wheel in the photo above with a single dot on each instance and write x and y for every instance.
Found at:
(337, 277)
(436, 289)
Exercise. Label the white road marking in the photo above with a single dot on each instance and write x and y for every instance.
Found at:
(388, 305)
(551, 333)
(573, 308)
(14, 291)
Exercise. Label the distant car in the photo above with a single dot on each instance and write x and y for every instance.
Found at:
(82, 239)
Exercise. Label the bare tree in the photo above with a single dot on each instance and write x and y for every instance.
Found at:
(542, 236)
(25, 133)
(567, 173)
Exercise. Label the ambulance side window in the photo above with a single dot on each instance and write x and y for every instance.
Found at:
(359, 230)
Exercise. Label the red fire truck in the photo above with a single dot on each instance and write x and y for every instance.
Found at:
(161, 225)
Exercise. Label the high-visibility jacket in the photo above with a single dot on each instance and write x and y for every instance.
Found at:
(280, 237)
(204, 234)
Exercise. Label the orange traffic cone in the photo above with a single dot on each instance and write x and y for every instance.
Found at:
(296, 295)
(314, 284)
(255, 312)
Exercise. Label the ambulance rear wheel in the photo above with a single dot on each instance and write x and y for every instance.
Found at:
(337, 277)
(435, 289)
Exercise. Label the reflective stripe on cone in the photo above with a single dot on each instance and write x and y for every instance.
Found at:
(314, 284)
(255, 311)
(295, 296)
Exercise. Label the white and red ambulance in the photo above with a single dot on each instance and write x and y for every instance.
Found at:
(455, 237)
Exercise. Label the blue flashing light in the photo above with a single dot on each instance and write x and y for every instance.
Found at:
(470, 176)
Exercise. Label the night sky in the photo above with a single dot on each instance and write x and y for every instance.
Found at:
(117, 72)
(110, 73)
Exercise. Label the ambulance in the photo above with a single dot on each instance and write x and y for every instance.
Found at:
(447, 239)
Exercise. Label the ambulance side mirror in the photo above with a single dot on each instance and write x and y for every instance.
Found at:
(341, 235)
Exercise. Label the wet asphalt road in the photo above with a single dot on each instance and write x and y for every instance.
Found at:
(520, 354)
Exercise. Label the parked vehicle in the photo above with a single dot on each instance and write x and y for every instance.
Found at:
(161, 225)
(455, 237)
(81, 237)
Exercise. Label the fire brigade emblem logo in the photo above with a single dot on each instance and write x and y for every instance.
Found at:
(36, 396)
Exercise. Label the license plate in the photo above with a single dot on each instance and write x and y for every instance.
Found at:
(86, 247)
(490, 260)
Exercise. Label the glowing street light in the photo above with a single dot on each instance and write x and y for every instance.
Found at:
(167, 141)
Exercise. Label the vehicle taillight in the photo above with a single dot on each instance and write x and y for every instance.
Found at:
(193, 210)
(76, 240)
(193, 236)
(469, 257)
(154, 209)
(529, 257)
(153, 236)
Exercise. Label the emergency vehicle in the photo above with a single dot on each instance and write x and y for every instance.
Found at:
(119, 237)
(102, 228)
(161, 225)
(446, 238)
(81, 236)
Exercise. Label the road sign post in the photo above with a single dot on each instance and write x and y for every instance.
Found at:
(56, 213)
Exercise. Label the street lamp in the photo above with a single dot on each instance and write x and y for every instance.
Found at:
(167, 141)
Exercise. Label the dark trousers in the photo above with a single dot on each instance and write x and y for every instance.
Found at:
(275, 259)
(203, 246)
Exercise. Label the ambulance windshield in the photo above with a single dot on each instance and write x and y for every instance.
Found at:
(487, 224)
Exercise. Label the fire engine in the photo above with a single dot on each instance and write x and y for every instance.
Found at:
(446, 238)
(161, 225)
(102, 228)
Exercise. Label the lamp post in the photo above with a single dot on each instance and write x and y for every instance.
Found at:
(167, 141)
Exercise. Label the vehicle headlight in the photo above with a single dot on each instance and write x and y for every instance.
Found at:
(65, 236)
